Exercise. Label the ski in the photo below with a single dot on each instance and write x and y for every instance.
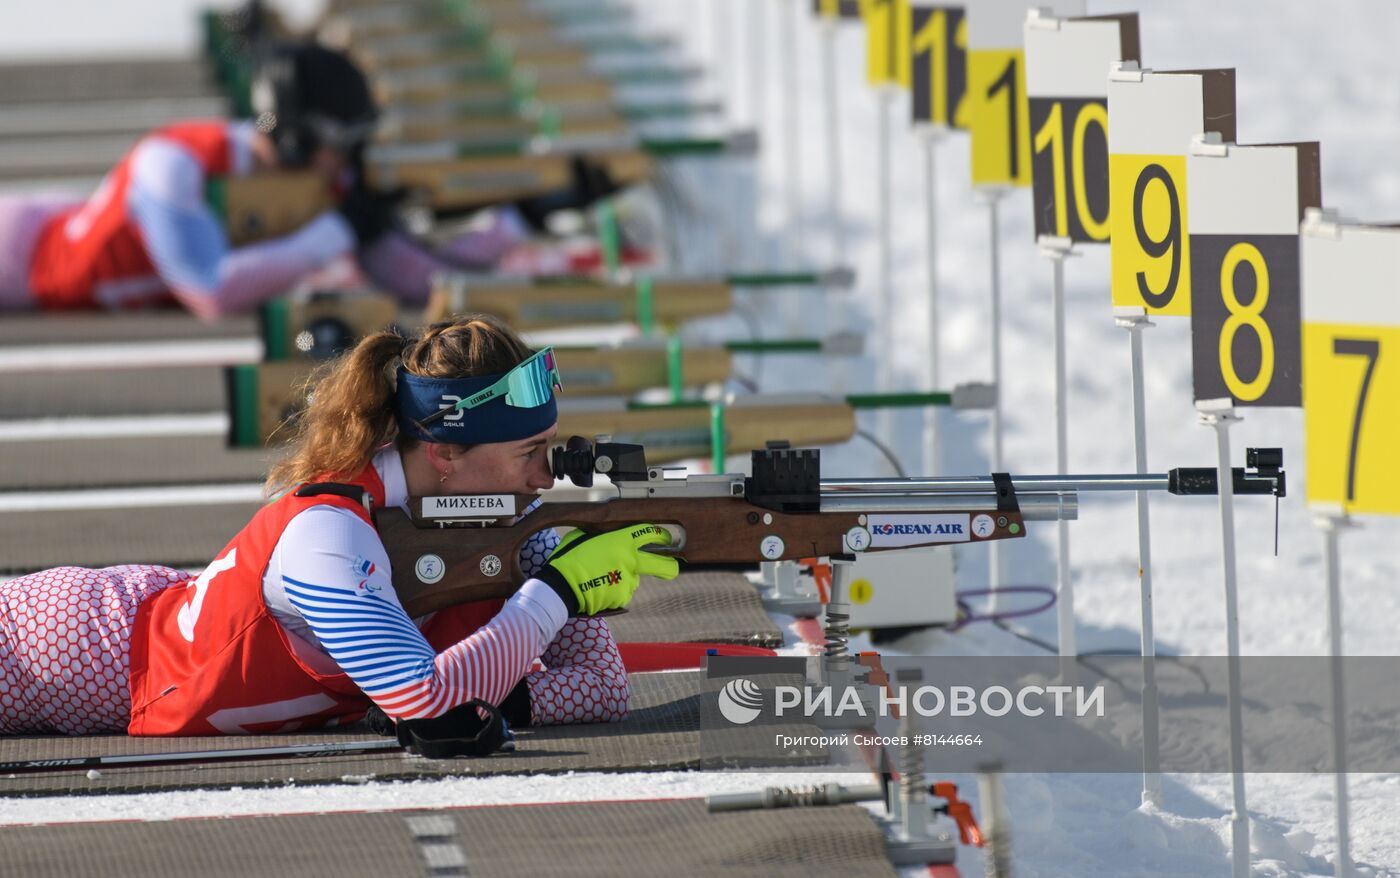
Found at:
(235, 754)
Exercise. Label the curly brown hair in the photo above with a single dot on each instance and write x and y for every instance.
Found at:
(350, 413)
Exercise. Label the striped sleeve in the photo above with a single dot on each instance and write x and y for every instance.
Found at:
(190, 250)
(335, 574)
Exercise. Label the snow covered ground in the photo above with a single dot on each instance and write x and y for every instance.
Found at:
(1305, 72)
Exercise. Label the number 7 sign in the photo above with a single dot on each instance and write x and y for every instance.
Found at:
(1351, 363)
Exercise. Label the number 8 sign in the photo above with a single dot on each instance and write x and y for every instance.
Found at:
(1245, 204)
(1351, 363)
(1151, 121)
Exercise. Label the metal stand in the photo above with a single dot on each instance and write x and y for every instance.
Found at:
(909, 839)
(1331, 521)
(884, 96)
(995, 830)
(931, 847)
(932, 136)
(837, 303)
(1057, 250)
(783, 592)
(1220, 414)
(1135, 321)
(992, 196)
(838, 668)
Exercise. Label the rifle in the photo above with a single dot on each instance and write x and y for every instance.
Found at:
(268, 204)
(456, 549)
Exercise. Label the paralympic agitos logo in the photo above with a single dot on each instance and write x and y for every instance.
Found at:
(610, 578)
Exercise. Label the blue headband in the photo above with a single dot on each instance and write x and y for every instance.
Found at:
(492, 421)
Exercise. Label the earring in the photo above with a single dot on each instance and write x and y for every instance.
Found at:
(443, 479)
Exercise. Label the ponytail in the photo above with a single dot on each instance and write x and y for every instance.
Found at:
(350, 413)
(348, 416)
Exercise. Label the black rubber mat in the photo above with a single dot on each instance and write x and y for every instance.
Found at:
(128, 462)
(193, 390)
(614, 839)
(662, 732)
(77, 327)
(699, 608)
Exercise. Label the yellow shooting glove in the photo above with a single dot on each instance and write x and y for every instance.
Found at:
(599, 572)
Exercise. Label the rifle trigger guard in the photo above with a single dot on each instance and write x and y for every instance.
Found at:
(1006, 493)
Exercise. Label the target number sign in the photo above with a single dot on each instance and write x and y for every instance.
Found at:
(1245, 205)
(836, 8)
(998, 114)
(1351, 363)
(938, 65)
(887, 60)
(1152, 120)
(1067, 87)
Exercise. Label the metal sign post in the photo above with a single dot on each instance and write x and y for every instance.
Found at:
(1331, 520)
(1067, 95)
(1220, 414)
(1057, 250)
(1351, 330)
(932, 136)
(991, 196)
(1135, 321)
(884, 97)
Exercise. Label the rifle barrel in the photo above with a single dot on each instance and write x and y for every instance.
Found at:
(1022, 484)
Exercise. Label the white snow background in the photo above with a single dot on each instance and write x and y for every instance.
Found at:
(1305, 71)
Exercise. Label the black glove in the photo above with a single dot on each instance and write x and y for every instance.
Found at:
(459, 732)
(371, 214)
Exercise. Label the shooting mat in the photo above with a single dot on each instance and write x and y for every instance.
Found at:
(666, 837)
(661, 733)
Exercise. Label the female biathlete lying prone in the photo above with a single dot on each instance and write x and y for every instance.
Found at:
(296, 625)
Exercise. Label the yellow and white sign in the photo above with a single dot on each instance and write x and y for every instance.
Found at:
(887, 30)
(998, 114)
(1153, 117)
(1351, 363)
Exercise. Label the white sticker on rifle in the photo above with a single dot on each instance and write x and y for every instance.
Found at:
(469, 506)
(771, 547)
(429, 569)
(917, 530)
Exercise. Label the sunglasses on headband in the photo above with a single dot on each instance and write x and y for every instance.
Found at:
(530, 384)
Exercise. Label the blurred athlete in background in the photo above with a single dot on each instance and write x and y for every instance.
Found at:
(148, 235)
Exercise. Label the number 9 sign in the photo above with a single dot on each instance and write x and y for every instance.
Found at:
(1151, 122)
